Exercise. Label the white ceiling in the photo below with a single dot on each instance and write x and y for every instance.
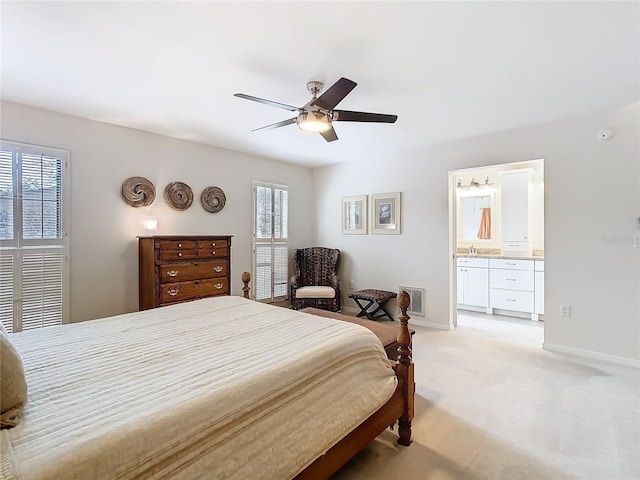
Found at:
(447, 69)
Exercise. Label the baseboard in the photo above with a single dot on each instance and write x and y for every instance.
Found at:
(349, 310)
(423, 322)
(420, 321)
(629, 362)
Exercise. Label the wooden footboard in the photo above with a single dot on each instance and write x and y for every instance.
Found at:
(399, 408)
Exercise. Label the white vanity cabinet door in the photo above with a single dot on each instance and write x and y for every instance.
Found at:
(478, 287)
(515, 206)
(473, 282)
(462, 282)
(516, 211)
(539, 287)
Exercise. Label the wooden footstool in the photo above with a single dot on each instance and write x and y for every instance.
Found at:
(388, 334)
(381, 297)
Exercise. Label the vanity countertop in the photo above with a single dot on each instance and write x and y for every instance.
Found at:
(507, 257)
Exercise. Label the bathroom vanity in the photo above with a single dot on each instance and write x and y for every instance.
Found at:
(497, 284)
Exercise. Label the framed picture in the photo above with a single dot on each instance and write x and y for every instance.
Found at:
(385, 213)
(354, 215)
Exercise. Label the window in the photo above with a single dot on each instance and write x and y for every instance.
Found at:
(34, 267)
(270, 237)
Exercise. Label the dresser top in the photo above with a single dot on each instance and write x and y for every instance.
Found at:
(182, 237)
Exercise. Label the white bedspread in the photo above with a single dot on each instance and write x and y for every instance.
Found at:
(218, 388)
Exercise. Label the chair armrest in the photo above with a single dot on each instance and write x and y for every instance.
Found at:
(335, 282)
(295, 282)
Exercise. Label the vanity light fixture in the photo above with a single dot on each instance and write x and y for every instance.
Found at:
(473, 184)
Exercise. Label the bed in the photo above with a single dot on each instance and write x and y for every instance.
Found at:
(221, 387)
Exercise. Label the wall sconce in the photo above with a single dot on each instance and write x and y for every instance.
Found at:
(150, 225)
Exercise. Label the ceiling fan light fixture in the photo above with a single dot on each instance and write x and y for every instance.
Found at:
(314, 122)
(318, 114)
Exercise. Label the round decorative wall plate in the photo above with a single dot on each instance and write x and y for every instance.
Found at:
(178, 195)
(138, 192)
(213, 199)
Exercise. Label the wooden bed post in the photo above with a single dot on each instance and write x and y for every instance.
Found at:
(246, 278)
(404, 369)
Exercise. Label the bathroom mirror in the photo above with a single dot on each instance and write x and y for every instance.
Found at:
(475, 216)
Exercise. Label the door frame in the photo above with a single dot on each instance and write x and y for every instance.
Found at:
(453, 230)
(453, 251)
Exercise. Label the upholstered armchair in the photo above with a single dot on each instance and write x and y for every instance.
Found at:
(316, 283)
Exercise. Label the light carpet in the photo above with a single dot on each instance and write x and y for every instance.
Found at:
(492, 404)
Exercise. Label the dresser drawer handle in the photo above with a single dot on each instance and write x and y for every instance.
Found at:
(172, 273)
(511, 300)
(179, 245)
(180, 254)
(213, 244)
(219, 286)
(172, 292)
(511, 263)
(511, 279)
(217, 269)
(213, 253)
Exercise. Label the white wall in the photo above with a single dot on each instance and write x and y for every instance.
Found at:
(592, 205)
(104, 256)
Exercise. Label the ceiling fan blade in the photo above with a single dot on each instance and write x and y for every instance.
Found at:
(334, 95)
(330, 135)
(348, 116)
(284, 106)
(283, 123)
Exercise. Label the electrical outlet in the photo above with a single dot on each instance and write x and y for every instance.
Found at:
(565, 310)
(352, 284)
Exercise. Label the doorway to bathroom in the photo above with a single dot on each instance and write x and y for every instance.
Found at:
(496, 231)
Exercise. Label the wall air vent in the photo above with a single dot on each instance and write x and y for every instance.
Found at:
(417, 295)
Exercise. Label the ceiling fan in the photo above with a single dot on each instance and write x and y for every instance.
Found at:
(318, 114)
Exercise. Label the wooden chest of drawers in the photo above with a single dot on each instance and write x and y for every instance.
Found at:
(174, 269)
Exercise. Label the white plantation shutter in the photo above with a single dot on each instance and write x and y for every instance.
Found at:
(6, 291)
(34, 266)
(42, 295)
(270, 246)
(6, 195)
(41, 197)
(264, 209)
(263, 275)
(280, 270)
(280, 213)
